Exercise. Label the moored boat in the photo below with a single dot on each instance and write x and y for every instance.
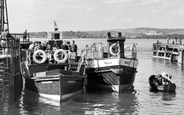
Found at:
(112, 70)
(58, 84)
(162, 82)
(59, 79)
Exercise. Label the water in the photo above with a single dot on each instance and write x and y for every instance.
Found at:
(139, 101)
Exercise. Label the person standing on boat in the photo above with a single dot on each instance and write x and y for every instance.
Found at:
(176, 40)
(56, 45)
(3, 41)
(74, 47)
(44, 46)
(25, 36)
(38, 46)
(65, 47)
(31, 51)
(5, 35)
(68, 45)
(180, 40)
(168, 40)
(101, 50)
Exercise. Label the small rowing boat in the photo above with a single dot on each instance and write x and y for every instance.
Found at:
(162, 82)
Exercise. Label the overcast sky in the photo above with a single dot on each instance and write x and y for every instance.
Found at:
(77, 15)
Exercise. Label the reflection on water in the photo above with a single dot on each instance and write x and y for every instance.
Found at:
(102, 103)
(168, 96)
(32, 104)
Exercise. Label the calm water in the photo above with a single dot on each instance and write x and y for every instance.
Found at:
(139, 101)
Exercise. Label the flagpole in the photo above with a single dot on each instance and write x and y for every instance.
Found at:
(55, 26)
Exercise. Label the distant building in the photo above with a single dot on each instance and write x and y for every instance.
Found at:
(149, 33)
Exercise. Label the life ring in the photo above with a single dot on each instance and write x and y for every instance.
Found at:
(44, 57)
(111, 49)
(56, 56)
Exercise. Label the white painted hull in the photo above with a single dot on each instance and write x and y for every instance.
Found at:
(57, 98)
(116, 88)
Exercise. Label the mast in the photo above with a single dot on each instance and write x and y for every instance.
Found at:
(3, 15)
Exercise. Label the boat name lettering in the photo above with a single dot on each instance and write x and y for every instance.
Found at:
(107, 62)
(71, 81)
(127, 62)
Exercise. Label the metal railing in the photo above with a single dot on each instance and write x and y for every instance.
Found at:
(10, 46)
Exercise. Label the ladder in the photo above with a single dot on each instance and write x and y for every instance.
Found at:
(1, 89)
(1, 81)
(4, 80)
(3, 16)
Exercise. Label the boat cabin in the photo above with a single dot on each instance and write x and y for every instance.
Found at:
(119, 40)
(55, 35)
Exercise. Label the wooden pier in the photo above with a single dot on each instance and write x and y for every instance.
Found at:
(10, 74)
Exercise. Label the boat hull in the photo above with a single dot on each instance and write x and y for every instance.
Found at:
(157, 85)
(114, 77)
(59, 88)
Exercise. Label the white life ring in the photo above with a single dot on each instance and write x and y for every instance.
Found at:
(44, 57)
(56, 56)
(111, 49)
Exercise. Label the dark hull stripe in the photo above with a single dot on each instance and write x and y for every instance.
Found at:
(96, 78)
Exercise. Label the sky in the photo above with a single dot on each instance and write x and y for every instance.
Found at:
(87, 15)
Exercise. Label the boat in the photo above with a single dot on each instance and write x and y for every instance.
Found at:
(58, 80)
(111, 68)
(162, 82)
(167, 51)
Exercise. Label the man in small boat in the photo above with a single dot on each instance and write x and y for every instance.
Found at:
(163, 79)
(166, 78)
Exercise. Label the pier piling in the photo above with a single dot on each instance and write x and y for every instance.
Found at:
(10, 74)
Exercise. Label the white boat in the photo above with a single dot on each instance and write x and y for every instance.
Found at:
(114, 69)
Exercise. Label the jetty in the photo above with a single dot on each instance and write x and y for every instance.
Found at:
(169, 51)
(11, 81)
(10, 74)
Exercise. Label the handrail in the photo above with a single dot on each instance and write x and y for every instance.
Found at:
(12, 45)
(20, 36)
